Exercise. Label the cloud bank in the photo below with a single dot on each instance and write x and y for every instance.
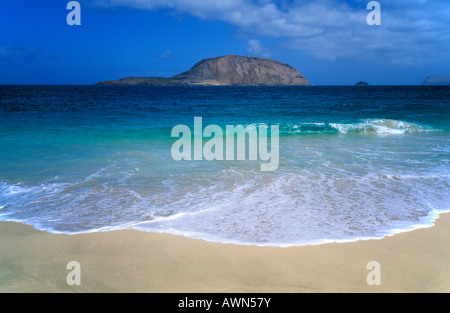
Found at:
(412, 31)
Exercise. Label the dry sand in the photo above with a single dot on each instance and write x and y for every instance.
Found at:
(133, 261)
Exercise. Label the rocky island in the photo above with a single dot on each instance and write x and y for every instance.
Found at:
(437, 80)
(230, 70)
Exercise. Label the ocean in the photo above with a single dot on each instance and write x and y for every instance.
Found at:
(354, 162)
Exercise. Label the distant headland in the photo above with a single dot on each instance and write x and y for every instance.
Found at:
(230, 70)
(437, 80)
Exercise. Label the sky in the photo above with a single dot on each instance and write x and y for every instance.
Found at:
(328, 41)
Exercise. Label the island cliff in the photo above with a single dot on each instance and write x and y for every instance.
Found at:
(230, 70)
(437, 80)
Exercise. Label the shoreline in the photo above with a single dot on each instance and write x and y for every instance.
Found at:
(416, 260)
(430, 222)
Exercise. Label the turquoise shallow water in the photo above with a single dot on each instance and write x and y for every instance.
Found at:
(353, 162)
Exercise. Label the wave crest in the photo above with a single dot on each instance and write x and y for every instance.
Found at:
(366, 127)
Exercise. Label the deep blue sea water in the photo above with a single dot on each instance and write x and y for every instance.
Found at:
(354, 162)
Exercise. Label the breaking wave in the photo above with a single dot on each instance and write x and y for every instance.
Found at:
(365, 127)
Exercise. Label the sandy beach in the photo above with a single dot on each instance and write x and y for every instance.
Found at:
(134, 261)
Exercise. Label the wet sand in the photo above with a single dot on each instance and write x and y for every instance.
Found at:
(134, 261)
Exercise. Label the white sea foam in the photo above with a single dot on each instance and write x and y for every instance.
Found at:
(364, 127)
(280, 210)
(381, 127)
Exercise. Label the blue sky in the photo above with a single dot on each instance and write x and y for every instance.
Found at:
(328, 41)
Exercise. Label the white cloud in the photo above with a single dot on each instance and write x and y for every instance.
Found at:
(255, 48)
(328, 29)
